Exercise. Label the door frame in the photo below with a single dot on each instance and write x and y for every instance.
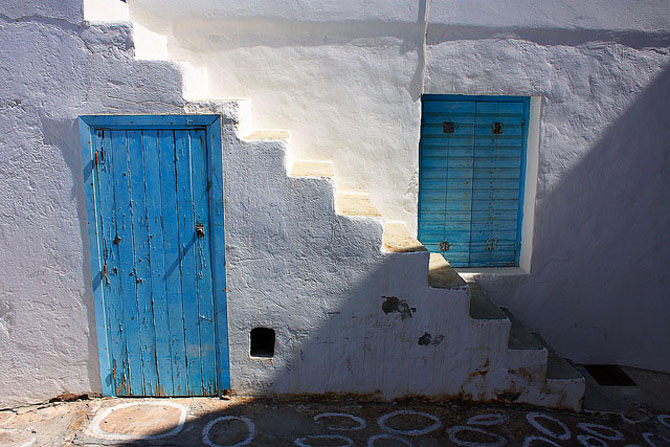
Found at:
(529, 147)
(88, 124)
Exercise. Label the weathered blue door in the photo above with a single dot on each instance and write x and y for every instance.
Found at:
(472, 160)
(156, 234)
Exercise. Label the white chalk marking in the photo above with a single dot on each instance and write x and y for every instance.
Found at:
(529, 439)
(29, 443)
(628, 420)
(586, 441)
(100, 417)
(487, 419)
(251, 428)
(533, 417)
(664, 419)
(415, 432)
(597, 430)
(303, 442)
(373, 439)
(454, 431)
(361, 423)
(647, 437)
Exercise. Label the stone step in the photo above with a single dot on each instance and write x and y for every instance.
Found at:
(441, 275)
(559, 368)
(481, 306)
(304, 168)
(521, 338)
(356, 204)
(268, 135)
(106, 11)
(149, 45)
(195, 82)
(397, 239)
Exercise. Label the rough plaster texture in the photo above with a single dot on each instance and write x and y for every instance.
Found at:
(293, 264)
(53, 71)
(346, 81)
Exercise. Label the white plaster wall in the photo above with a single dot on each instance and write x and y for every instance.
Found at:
(597, 290)
(346, 79)
(342, 89)
(292, 259)
(55, 68)
(292, 263)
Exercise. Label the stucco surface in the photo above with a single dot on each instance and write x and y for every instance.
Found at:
(598, 284)
(52, 72)
(293, 264)
(349, 91)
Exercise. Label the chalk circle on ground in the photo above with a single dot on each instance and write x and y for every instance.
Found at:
(533, 417)
(601, 431)
(530, 441)
(29, 443)
(628, 420)
(304, 442)
(409, 432)
(251, 429)
(455, 431)
(664, 419)
(100, 418)
(487, 419)
(361, 423)
(386, 436)
(588, 441)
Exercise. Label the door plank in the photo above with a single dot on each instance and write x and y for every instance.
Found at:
(171, 260)
(164, 385)
(110, 281)
(187, 249)
(203, 262)
(127, 293)
(147, 338)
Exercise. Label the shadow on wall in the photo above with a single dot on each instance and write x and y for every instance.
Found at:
(64, 134)
(600, 283)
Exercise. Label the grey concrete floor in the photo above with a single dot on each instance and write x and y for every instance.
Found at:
(615, 416)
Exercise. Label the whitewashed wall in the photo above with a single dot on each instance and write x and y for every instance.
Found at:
(346, 80)
(54, 68)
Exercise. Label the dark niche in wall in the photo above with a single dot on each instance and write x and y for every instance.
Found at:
(262, 342)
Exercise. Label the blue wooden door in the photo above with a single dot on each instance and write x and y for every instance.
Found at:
(152, 230)
(472, 159)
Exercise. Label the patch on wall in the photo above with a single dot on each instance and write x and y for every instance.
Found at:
(393, 304)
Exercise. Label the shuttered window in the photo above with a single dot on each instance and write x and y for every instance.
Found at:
(472, 163)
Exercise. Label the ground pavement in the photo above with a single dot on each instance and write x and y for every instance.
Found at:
(623, 416)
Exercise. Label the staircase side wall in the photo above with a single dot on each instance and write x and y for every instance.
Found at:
(347, 82)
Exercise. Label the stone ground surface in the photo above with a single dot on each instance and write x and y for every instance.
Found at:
(619, 416)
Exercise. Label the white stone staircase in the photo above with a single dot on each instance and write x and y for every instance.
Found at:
(455, 341)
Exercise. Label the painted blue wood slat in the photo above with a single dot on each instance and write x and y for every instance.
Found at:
(92, 145)
(159, 297)
(140, 237)
(127, 275)
(187, 251)
(215, 175)
(198, 139)
(171, 261)
(110, 257)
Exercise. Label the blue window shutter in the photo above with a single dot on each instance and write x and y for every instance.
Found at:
(472, 155)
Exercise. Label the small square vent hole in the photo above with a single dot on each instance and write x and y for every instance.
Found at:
(609, 375)
(262, 342)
